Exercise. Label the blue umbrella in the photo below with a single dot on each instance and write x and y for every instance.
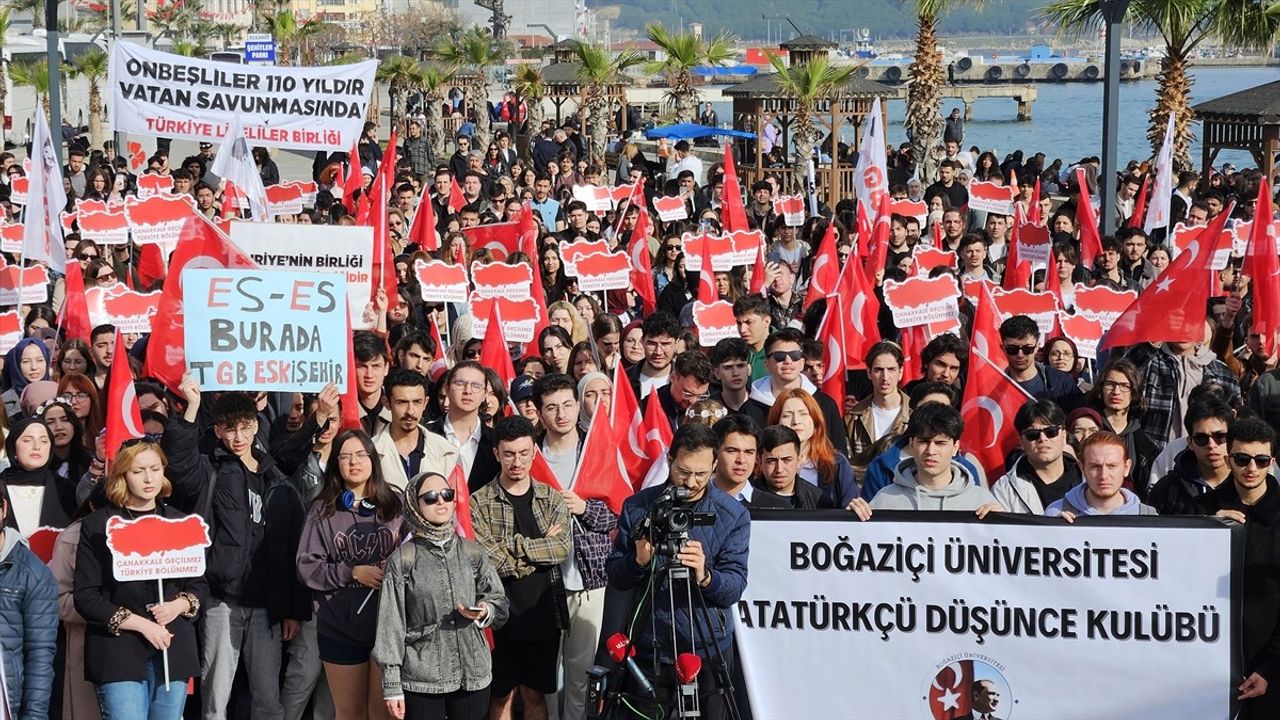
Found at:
(690, 131)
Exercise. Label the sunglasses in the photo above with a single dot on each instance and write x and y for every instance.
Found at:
(1019, 349)
(431, 497)
(148, 438)
(88, 256)
(1201, 439)
(792, 355)
(1034, 434)
(1242, 460)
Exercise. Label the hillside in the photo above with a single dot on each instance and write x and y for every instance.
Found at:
(826, 18)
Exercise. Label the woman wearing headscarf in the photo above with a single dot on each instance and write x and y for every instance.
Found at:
(33, 496)
(27, 362)
(439, 593)
(595, 393)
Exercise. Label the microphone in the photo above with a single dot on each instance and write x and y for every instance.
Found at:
(687, 667)
(617, 650)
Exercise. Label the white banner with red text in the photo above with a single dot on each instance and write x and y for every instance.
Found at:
(937, 616)
(303, 108)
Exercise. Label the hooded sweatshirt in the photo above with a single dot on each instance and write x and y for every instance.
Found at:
(1076, 504)
(962, 493)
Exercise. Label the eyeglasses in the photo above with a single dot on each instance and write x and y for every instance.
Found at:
(1111, 385)
(431, 497)
(352, 457)
(1034, 434)
(77, 396)
(474, 386)
(689, 474)
(1201, 439)
(1019, 349)
(1242, 460)
(780, 355)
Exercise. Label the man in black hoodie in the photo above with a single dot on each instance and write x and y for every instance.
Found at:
(1203, 466)
(255, 518)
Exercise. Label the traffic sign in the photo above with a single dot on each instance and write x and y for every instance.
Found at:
(260, 49)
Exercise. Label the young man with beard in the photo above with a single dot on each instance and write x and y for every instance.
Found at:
(405, 447)
(1045, 472)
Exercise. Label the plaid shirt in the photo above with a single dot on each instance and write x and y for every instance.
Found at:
(515, 556)
(592, 544)
(418, 150)
(1160, 381)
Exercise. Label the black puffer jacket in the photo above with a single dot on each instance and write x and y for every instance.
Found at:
(1176, 492)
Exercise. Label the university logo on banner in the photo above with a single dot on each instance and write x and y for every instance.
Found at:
(962, 616)
(265, 330)
(922, 300)
(302, 108)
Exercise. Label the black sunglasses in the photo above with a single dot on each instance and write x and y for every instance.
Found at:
(1034, 434)
(148, 438)
(431, 497)
(792, 355)
(1019, 349)
(1242, 460)
(1201, 439)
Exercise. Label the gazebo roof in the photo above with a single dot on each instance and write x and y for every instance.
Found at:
(1259, 104)
(766, 86)
(565, 73)
(808, 42)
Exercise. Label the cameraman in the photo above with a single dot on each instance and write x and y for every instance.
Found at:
(715, 554)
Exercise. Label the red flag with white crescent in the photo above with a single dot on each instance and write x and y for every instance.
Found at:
(831, 333)
(991, 400)
(826, 268)
(642, 263)
(124, 417)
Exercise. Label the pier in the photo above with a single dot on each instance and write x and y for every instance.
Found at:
(1025, 95)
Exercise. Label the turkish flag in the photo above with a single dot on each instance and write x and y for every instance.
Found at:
(656, 428)
(991, 400)
(1052, 283)
(628, 427)
(879, 252)
(541, 472)
(74, 316)
(599, 475)
(950, 694)
(1087, 222)
(826, 268)
(423, 230)
(124, 418)
(862, 309)
(502, 239)
(733, 216)
(493, 349)
(461, 502)
(1140, 206)
(456, 201)
(1263, 269)
(758, 273)
(151, 270)
(1033, 210)
(528, 234)
(707, 292)
(438, 364)
(984, 334)
(831, 335)
(384, 268)
(352, 410)
(642, 264)
(864, 231)
(354, 181)
(206, 246)
(1174, 308)
(913, 340)
(1017, 273)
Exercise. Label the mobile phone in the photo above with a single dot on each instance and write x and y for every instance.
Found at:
(475, 608)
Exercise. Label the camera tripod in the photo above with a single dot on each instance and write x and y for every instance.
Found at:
(618, 702)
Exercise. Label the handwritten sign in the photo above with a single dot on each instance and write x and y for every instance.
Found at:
(265, 330)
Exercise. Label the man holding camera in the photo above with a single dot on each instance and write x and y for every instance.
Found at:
(652, 538)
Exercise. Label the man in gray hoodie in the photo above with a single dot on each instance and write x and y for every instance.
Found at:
(1105, 459)
(929, 478)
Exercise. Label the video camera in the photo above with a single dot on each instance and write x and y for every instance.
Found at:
(671, 518)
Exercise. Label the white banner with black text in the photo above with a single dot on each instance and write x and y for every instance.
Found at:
(931, 616)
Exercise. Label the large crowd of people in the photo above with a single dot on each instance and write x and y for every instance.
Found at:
(337, 585)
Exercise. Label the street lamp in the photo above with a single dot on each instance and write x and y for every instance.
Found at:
(1112, 13)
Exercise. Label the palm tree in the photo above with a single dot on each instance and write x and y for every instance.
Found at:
(35, 75)
(290, 34)
(478, 52)
(92, 65)
(684, 52)
(807, 84)
(188, 48)
(436, 82)
(531, 88)
(1183, 25)
(925, 77)
(228, 33)
(401, 74)
(596, 73)
(175, 18)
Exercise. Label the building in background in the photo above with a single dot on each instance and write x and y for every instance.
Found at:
(558, 14)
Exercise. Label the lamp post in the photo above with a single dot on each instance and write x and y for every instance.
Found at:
(55, 87)
(1112, 13)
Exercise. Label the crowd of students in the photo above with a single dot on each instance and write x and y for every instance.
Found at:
(336, 584)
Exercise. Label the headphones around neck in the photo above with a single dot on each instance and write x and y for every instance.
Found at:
(364, 507)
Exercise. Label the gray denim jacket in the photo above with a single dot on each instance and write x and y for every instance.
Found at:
(423, 645)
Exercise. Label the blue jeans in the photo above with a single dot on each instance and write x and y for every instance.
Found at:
(144, 700)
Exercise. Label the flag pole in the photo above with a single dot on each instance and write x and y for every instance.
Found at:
(164, 653)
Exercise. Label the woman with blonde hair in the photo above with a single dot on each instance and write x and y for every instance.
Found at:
(820, 463)
(565, 315)
(138, 633)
